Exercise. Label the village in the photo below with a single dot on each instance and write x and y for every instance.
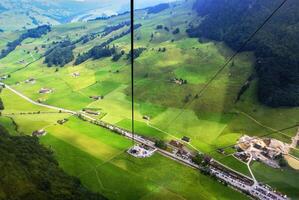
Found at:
(267, 150)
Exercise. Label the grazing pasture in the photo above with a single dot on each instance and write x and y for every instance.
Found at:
(212, 118)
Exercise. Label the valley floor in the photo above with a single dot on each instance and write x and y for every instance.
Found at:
(212, 121)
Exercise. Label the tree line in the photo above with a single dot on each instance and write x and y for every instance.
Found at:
(103, 49)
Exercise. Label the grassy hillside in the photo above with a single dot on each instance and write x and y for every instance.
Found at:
(212, 120)
(277, 64)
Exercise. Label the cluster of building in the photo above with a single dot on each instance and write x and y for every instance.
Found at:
(266, 150)
(242, 183)
(180, 150)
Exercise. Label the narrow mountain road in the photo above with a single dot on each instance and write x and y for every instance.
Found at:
(36, 103)
(249, 168)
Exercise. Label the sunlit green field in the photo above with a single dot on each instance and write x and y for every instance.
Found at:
(212, 120)
(97, 156)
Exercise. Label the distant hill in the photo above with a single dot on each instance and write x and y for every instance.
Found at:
(276, 46)
(21, 14)
(25, 14)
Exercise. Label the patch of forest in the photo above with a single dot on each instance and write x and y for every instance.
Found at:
(110, 29)
(276, 45)
(60, 54)
(103, 49)
(30, 33)
(30, 171)
(136, 53)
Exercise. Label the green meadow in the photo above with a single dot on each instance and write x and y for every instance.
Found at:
(97, 156)
(212, 119)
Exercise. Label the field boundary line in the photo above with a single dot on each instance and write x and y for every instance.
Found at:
(262, 125)
(100, 164)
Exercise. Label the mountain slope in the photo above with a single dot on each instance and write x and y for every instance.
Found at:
(276, 45)
(29, 171)
(170, 69)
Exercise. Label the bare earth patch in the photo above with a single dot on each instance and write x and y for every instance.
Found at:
(293, 162)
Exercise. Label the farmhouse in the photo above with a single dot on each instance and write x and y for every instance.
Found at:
(146, 117)
(96, 97)
(39, 133)
(4, 77)
(91, 112)
(186, 139)
(45, 91)
(30, 80)
(62, 121)
(176, 144)
(76, 74)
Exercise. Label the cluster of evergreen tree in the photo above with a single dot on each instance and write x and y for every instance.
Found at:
(276, 46)
(1, 105)
(176, 31)
(96, 52)
(158, 27)
(29, 171)
(117, 55)
(31, 33)
(158, 8)
(136, 53)
(161, 144)
(60, 54)
(103, 49)
(110, 29)
(109, 17)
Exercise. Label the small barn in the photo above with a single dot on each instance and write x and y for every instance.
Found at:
(39, 133)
